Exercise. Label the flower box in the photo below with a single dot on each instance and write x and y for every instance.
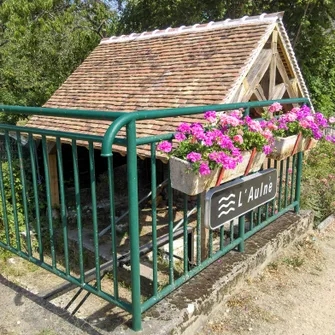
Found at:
(283, 146)
(192, 183)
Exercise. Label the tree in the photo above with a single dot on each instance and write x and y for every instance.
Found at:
(42, 42)
(310, 24)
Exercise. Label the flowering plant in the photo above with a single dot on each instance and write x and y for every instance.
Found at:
(219, 141)
(298, 120)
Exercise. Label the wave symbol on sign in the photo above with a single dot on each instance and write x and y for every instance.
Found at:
(227, 204)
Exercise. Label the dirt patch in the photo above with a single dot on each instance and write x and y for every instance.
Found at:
(294, 295)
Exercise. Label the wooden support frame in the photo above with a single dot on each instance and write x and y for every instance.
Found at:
(273, 65)
(53, 173)
(269, 78)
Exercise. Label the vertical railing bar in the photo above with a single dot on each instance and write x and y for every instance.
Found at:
(170, 216)
(210, 242)
(221, 237)
(231, 231)
(286, 181)
(78, 209)
(198, 229)
(252, 220)
(267, 204)
(48, 196)
(154, 218)
(35, 187)
(134, 225)
(4, 206)
(259, 214)
(185, 197)
(12, 186)
(298, 181)
(24, 192)
(241, 232)
(113, 228)
(280, 185)
(292, 177)
(94, 215)
(62, 203)
(274, 200)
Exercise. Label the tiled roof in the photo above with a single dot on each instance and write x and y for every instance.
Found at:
(186, 66)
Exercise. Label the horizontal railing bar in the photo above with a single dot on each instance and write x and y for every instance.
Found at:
(112, 115)
(66, 287)
(178, 282)
(269, 220)
(153, 139)
(62, 112)
(122, 304)
(114, 128)
(105, 230)
(55, 133)
(161, 241)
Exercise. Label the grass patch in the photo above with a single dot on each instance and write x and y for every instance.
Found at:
(294, 261)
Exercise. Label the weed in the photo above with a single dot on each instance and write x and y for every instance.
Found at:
(294, 261)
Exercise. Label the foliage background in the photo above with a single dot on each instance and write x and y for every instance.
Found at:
(43, 41)
(318, 183)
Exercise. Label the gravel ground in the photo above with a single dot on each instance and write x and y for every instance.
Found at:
(295, 295)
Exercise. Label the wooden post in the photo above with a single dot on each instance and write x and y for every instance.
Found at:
(273, 65)
(204, 230)
(53, 173)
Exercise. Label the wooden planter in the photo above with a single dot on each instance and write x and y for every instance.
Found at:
(192, 183)
(284, 146)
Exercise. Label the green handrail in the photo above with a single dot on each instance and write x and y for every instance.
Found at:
(62, 112)
(120, 122)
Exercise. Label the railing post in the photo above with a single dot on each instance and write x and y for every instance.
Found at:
(298, 182)
(134, 225)
(241, 232)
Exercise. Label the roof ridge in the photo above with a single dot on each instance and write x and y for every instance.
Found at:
(195, 28)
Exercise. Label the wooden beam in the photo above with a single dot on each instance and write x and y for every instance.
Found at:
(259, 93)
(256, 73)
(278, 92)
(273, 65)
(286, 79)
(53, 174)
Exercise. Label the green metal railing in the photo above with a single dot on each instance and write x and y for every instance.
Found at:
(36, 235)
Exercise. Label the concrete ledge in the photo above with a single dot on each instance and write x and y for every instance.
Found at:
(326, 223)
(186, 309)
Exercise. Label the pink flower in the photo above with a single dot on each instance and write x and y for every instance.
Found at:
(255, 126)
(267, 149)
(272, 126)
(237, 113)
(228, 120)
(275, 107)
(180, 137)
(304, 123)
(198, 131)
(295, 110)
(332, 119)
(210, 116)
(164, 146)
(193, 157)
(291, 117)
(238, 138)
(204, 169)
(310, 118)
(184, 128)
(290, 170)
(267, 134)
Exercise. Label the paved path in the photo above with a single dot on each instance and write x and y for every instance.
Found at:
(294, 296)
(24, 313)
